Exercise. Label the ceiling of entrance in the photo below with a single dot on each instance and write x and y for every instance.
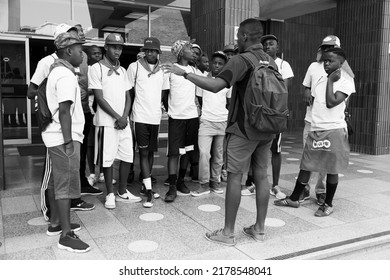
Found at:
(284, 9)
(114, 15)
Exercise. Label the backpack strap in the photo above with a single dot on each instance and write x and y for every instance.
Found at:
(252, 59)
(101, 73)
(136, 75)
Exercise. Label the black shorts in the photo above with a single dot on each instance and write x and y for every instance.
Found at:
(182, 136)
(276, 146)
(146, 136)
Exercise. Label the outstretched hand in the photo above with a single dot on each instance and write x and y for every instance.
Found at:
(169, 67)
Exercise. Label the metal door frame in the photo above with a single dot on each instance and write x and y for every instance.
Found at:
(9, 37)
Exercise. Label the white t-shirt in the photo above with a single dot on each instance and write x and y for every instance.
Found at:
(147, 102)
(62, 85)
(114, 91)
(181, 98)
(43, 67)
(313, 74)
(284, 68)
(324, 118)
(214, 104)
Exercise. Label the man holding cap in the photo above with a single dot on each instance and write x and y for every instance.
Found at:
(63, 138)
(113, 139)
(148, 81)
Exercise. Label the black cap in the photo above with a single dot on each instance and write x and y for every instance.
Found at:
(269, 36)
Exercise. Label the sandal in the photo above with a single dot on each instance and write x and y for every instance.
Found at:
(287, 202)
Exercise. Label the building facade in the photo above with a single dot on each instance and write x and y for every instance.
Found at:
(26, 28)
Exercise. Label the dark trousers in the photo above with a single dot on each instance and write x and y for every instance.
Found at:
(84, 147)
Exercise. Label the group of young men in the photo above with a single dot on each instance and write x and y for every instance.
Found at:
(202, 101)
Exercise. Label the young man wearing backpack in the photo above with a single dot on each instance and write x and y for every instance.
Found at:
(113, 138)
(63, 138)
(40, 74)
(148, 81)
(245, 144)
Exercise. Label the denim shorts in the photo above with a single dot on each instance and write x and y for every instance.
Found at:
(242, 153)
(65, 177)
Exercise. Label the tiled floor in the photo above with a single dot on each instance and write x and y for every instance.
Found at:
(176, 230)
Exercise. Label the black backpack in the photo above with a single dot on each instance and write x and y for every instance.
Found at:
(45, 117)
(266, 97)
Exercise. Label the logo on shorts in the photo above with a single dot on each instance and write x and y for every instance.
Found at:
(321, 144)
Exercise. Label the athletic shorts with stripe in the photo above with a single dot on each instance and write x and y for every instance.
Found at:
(45, 207)
(146, 136)
(111, 144)
(182, 136)
(276, 146)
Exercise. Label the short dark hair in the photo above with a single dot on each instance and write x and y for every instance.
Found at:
(61, 52)
(338, 51)
(253, 28)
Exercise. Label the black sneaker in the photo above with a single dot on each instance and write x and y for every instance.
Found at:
(81, 205)
(171, 194)
(166, 182)
(149, 199)
(87, 189)
(72, 243)
(182, 188)
(320, 198)
(305, 194)
(143, 192)
(51, 231)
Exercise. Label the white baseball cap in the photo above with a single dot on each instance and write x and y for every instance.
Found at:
(61, 28)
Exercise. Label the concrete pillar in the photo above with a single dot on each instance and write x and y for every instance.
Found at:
(4, 15)
(364, 30)
(213, 22)
(14, 18)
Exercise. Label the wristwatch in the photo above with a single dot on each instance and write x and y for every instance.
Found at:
(185, 75)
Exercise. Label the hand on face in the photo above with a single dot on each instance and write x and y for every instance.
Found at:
(334, 76)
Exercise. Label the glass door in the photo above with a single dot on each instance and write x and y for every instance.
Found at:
(14, 80)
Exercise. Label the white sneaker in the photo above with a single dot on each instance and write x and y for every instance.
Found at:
(275, 191)
(110, 201)
(92, 179)
(249, 190)
(101, 179)
(127, 197)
